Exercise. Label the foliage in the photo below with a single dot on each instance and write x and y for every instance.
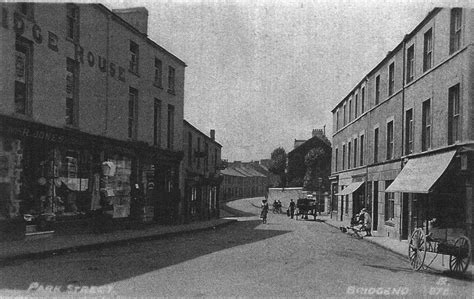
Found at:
(278, 164)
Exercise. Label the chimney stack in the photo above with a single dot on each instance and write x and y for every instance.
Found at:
(135, 16)
(213, 135)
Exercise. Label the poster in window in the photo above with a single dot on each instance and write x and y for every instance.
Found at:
(20, 67)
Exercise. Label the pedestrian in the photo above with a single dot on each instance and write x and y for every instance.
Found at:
(264, 212)
(367, 222)
(292, 208)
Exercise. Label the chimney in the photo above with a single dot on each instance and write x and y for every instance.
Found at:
(135, 16)
(213, 134)
(318, 132)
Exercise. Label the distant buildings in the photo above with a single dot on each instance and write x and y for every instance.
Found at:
(245, 179)
(403, 143)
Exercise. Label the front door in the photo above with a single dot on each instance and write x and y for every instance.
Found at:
(376, 206)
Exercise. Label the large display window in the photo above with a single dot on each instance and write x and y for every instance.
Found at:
(116, 187)
(11, 156)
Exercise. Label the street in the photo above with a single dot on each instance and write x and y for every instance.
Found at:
(284, 258)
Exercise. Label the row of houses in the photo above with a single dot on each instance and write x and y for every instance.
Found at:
(403, 141)
(91, 121)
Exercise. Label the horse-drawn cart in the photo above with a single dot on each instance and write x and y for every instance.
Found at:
(459, 250)
(305, 207)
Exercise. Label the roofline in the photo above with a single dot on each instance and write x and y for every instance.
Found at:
(136, 31)
(391, 53)
(314, 137)
(199, 131)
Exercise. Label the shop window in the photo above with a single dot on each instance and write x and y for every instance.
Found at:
(11, 172)
(389, 203)
(117, 172)
(23, 67)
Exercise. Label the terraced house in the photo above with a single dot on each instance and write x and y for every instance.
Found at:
(403, 142)
(91, 116)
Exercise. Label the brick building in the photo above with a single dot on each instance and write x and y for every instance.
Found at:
(91, 116)
(201, 173)
(403, 137)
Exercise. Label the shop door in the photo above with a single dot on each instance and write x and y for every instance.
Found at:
(375, 217)
(404, 233)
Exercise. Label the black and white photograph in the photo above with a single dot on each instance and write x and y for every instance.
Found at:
(236, 149)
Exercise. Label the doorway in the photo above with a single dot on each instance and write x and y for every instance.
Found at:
(404, 232)
(376, 206)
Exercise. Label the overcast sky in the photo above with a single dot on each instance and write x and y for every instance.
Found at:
(264, 73)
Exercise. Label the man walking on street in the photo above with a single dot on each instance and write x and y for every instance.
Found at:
(292, 208)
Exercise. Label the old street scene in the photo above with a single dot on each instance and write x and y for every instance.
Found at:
(236, 149)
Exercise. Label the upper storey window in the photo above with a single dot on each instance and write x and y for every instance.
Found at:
(171, 79)
(134, 58)
(391, 78)
(410, 63)
(158, 73)
(455, 32)
(428, 50)
(377, 90)
(73, 22)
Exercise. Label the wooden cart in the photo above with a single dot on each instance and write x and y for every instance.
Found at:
(305, 207)
(459, 250)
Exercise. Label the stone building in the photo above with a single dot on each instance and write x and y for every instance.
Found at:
(244, 180)
(403, 137)
(201, 172)
(91, 117)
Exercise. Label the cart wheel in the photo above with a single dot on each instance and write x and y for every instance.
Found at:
(417, 249)
(460, 261)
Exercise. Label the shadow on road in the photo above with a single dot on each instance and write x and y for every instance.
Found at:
(109, 265)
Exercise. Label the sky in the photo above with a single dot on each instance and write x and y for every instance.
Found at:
(264, 73)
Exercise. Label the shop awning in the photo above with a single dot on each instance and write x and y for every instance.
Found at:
(420, 174)
(351, 188)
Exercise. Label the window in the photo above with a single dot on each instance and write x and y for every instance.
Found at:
(72, 30)
(198, 154)
(356, 105)
(157, 123)
(206, 157)
(349, 155)
(377, 89)
(72, 77)
(171, 80)
(362, 100)
(132, 112)
(343, 156)
(350, 110)
(454, 123)
(376, 145)
(455, 31)
(337, 119)
(427, 50)
(23, 56)
(158, 73)
(170, 126)
(391, 78)
(190, 149)
(26, 9)
(390, 140)
(361, 150)
(355, 152)
(410, 63)
(134, 55)
(335, 160)
(344, 115)
(389, 203)
(426, 126)
(215, 158)
(409, 132)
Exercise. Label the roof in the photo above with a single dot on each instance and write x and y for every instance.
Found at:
(231, 172)
(420, 174)
(186, 123)
(242, 169)
(390, 54)
(311, 143)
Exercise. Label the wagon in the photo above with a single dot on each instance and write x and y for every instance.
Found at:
(305, 207)
(459, 250)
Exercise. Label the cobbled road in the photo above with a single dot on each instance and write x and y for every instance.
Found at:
(283, 258)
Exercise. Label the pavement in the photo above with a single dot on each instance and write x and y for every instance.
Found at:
(59, 244)
(432, 261)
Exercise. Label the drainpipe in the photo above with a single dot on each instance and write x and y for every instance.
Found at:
(400, 232)
(107, 77)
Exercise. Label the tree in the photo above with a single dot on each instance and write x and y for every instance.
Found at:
(278, 165)
(316, 161)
